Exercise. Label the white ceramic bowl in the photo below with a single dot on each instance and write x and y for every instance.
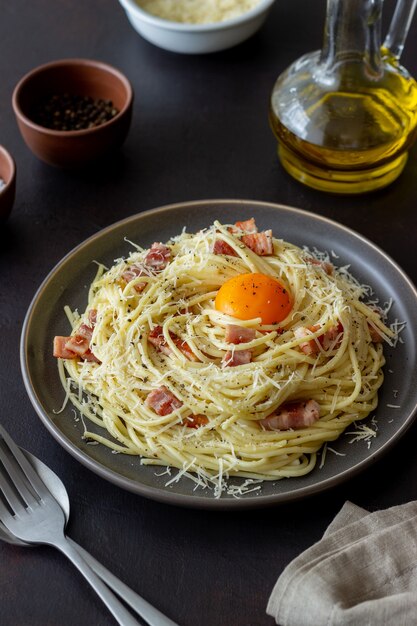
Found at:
(196, 38)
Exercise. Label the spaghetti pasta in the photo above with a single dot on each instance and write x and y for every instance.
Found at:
(163, 372)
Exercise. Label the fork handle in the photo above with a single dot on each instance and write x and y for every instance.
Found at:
(116, 608)
(148, 612)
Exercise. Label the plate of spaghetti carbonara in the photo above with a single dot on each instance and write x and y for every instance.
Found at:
(223, 353)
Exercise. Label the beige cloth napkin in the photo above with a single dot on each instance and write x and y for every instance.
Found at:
(363, 572)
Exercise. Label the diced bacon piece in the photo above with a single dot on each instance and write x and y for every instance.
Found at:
(308, 347)
(89, 356)
(239, 334)
(260, 243)
(195, 421)
(162, 401)
(232, 358)
(328, 340)
(86, 332)
(132, 272)
(78, 344)
(158, 256)
(327, 267)
(157, 339)
(60, 351)
(247, 226)
(332, 337)
(155, 260)
(293, 415)
(92, 316)
(222, 247)
(74, 348)
(185, 348)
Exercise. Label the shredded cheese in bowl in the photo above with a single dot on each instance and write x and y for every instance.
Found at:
(195, 11)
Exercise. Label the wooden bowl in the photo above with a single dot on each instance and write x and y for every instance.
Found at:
(78, 77)
(8, 176)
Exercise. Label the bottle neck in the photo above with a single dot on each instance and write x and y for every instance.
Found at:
(353, 34)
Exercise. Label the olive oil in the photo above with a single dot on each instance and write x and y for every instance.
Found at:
(348, 141)
(345, 116)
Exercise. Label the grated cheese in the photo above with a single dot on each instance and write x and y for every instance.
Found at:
(195, 11)
(336, 452)
(364, 433)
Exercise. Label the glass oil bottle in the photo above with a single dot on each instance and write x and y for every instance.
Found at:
(346, 116)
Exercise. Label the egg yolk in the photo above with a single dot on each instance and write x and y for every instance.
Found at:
(247, 296)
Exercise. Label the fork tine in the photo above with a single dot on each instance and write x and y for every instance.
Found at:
(31, 475)
(13, 480)
(5, 515)
(10, 494)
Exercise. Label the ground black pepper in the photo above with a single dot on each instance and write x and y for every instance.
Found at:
(72, 112)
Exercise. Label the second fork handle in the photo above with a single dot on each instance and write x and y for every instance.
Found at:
(116, 608)
(148, 612)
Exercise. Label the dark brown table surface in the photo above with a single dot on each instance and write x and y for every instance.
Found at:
(199, 131)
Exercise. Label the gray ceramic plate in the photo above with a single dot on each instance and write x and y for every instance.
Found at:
(68, 284)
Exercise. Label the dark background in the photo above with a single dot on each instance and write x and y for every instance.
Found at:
(199, 131)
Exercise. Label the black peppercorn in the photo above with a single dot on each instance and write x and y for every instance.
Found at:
(71, 112)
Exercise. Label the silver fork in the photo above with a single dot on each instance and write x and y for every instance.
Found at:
(34, 516)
